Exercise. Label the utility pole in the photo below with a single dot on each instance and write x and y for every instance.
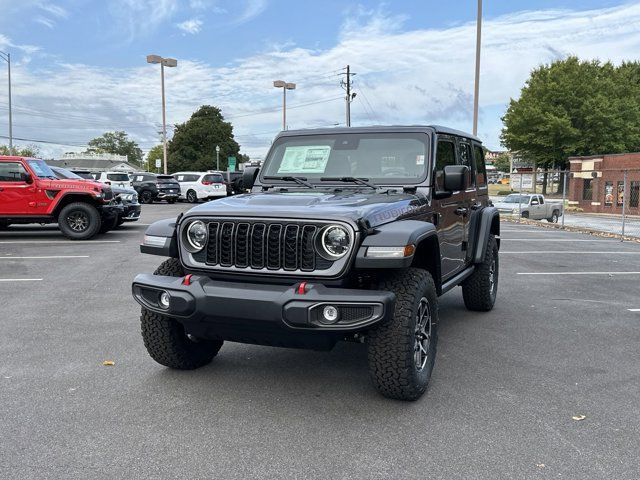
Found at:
(7, 58)
(164, 62)
(476, 87)
(346, 84)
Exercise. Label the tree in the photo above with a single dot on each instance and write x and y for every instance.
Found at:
(502, 162)
(28, 151)
(574, 107)
(156, 153)
(193, 146)
(117, 143)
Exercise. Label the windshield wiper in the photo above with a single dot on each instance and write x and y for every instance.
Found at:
(298, 180)
(356, 180)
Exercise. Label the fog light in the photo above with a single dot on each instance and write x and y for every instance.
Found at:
(164, 300)
(330, 314)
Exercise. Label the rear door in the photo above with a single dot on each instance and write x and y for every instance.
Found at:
(451, 214)
(16, 195)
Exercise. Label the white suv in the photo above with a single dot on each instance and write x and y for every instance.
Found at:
(196, 186)
(117, 179)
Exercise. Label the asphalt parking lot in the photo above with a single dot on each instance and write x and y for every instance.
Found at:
(562, 341)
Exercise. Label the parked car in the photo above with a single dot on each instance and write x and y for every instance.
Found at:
(196, 186)
(347, 234)
(534, 207)
(153, 186)
(86, 174)
(127, 197)
(30, 192)
(116, 179)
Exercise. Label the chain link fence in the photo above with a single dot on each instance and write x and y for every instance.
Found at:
(604, 201)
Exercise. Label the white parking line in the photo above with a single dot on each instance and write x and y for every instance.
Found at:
(554, 240)
(576, 252)
(43, 257)
(20, 279)
(68, 242)
(634, 309)
(579, 273)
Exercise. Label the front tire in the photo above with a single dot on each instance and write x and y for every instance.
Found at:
(146, 196)
(79, 221)
(108, 225)
(401, 352)
(480, 289)
(165, 338)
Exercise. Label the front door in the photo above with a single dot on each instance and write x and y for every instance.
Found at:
(451, 210)
(15, 193)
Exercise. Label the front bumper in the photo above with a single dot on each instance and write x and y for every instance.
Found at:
(131, 212)
(276, 307)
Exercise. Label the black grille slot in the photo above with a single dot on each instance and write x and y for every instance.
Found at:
(307, 250)
(291, 247)
(212, 245)
(273, 246)
(264, 245)
(226, 244)
(242, 245)
(353, 314)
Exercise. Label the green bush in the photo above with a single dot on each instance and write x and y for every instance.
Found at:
(504, 192)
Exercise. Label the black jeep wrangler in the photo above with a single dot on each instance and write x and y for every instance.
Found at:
(346, 234)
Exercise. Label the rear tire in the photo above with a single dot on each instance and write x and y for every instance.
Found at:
(401, 352)
(554, 217)
(109, 224)
(479, 291)
(165, 338)
(79, 221)
(146, 196)
(192, 197)
(171, 202)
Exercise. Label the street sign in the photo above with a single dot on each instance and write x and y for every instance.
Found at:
(158, 163)
(232, 164)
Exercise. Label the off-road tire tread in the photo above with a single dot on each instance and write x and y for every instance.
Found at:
(476, 290)
(165, 338)
(390, 345)
(95, 222)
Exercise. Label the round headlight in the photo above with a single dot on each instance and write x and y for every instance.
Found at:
(335, 241)
(197, 235)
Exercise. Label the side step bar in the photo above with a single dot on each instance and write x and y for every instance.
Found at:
(457, 279)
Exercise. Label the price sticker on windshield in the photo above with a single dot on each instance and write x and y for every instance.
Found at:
(305, 159)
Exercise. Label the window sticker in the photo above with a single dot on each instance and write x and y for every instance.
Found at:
(420, 160)
(305, 159)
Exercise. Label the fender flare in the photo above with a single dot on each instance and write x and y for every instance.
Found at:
(486, 222)
(395, 234)
(162, 240)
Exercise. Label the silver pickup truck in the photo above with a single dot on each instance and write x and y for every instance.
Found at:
(530, 206)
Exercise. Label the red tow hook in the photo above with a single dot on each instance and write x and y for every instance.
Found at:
(302, 288)
(187, 280)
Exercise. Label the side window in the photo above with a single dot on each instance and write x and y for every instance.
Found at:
(446, 155)
(12, 172)
(465, 159)
(587, 189)
(180, 178)
(481, 170)
(541, 199)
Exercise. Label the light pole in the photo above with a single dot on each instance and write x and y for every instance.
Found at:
(164, 62)
(284, 86)
(476, 87)
(218, 158)
(7, 58)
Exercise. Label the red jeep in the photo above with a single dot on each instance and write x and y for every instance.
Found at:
(31, 193)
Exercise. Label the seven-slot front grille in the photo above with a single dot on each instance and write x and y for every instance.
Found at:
(261, 245)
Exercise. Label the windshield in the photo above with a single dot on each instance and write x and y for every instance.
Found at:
(384, 158)
(118, 177)
(41, 169)
(517, 199)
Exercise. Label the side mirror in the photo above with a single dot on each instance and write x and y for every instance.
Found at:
(28, 179)
(455, 177)
(249, 177)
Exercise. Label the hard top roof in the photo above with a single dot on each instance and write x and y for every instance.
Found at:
(379, 129)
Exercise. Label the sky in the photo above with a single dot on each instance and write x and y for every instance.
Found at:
(79, 66)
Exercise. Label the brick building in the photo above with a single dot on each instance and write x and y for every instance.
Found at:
(601, 183)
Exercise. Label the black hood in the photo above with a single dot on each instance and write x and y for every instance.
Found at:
(121, 190)
(350, 205)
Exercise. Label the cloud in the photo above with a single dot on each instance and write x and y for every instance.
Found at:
(140, 18)
(252, 9)
(191, 26)
(403, 77)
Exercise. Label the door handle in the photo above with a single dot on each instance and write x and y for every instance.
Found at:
(461, 211)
